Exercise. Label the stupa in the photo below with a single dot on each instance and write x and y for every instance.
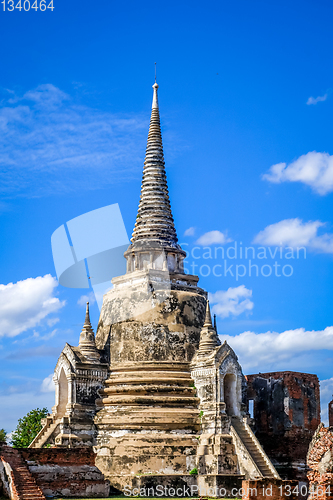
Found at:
(149, 418)
(162, 402)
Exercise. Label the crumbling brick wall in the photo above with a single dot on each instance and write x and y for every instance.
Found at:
(286, 408)
(66, 472)
(320, 463)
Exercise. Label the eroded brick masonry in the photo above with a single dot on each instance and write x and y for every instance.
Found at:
(286, 413)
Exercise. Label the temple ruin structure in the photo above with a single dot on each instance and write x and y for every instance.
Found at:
(155, 393)
(285, 415)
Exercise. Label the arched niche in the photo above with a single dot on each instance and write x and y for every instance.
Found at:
(64, 384)
(230, 394)
(63, 393)
(231, 380)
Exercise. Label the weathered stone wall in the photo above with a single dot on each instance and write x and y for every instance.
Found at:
(7, 487)
(87, 387)
(151, 325)
(122, 458)
(220, 386)
(66, 472)
(286, 415)
(153, 320)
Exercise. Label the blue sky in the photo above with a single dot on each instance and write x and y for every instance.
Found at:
(244, 87)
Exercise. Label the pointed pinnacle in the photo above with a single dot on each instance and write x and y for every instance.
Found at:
(87, 332)
(154, 221)
(208, 318)
(87, 322)
(87, 339)
(208, 336)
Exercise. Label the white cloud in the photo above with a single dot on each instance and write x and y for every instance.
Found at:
(49, 143)
(46, 95)
(48, 384)
(313, 169)
(25, 304)
(190, 231)
(291, 232)
(278, 350)
(231, 302)
(87, 298)
(314, 100)
(213, 237)
(296, 233)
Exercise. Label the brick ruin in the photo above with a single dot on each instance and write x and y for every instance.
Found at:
(286, 413)
(320, 463)
(155, 398)
(36, 473)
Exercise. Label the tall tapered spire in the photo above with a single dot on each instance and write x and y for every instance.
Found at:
(154, 220)
(154, 227)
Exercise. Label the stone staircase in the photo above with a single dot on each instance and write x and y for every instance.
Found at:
(254, 449)
(45, 433)
(25, 486)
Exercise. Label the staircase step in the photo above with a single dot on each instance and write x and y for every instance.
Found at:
(33, 496)
(30, 494)
(23, 480)
(252, 447)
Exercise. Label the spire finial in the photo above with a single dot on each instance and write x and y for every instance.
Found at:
(154, 231)
(155, 72)
(155, 98)
(154, 222)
